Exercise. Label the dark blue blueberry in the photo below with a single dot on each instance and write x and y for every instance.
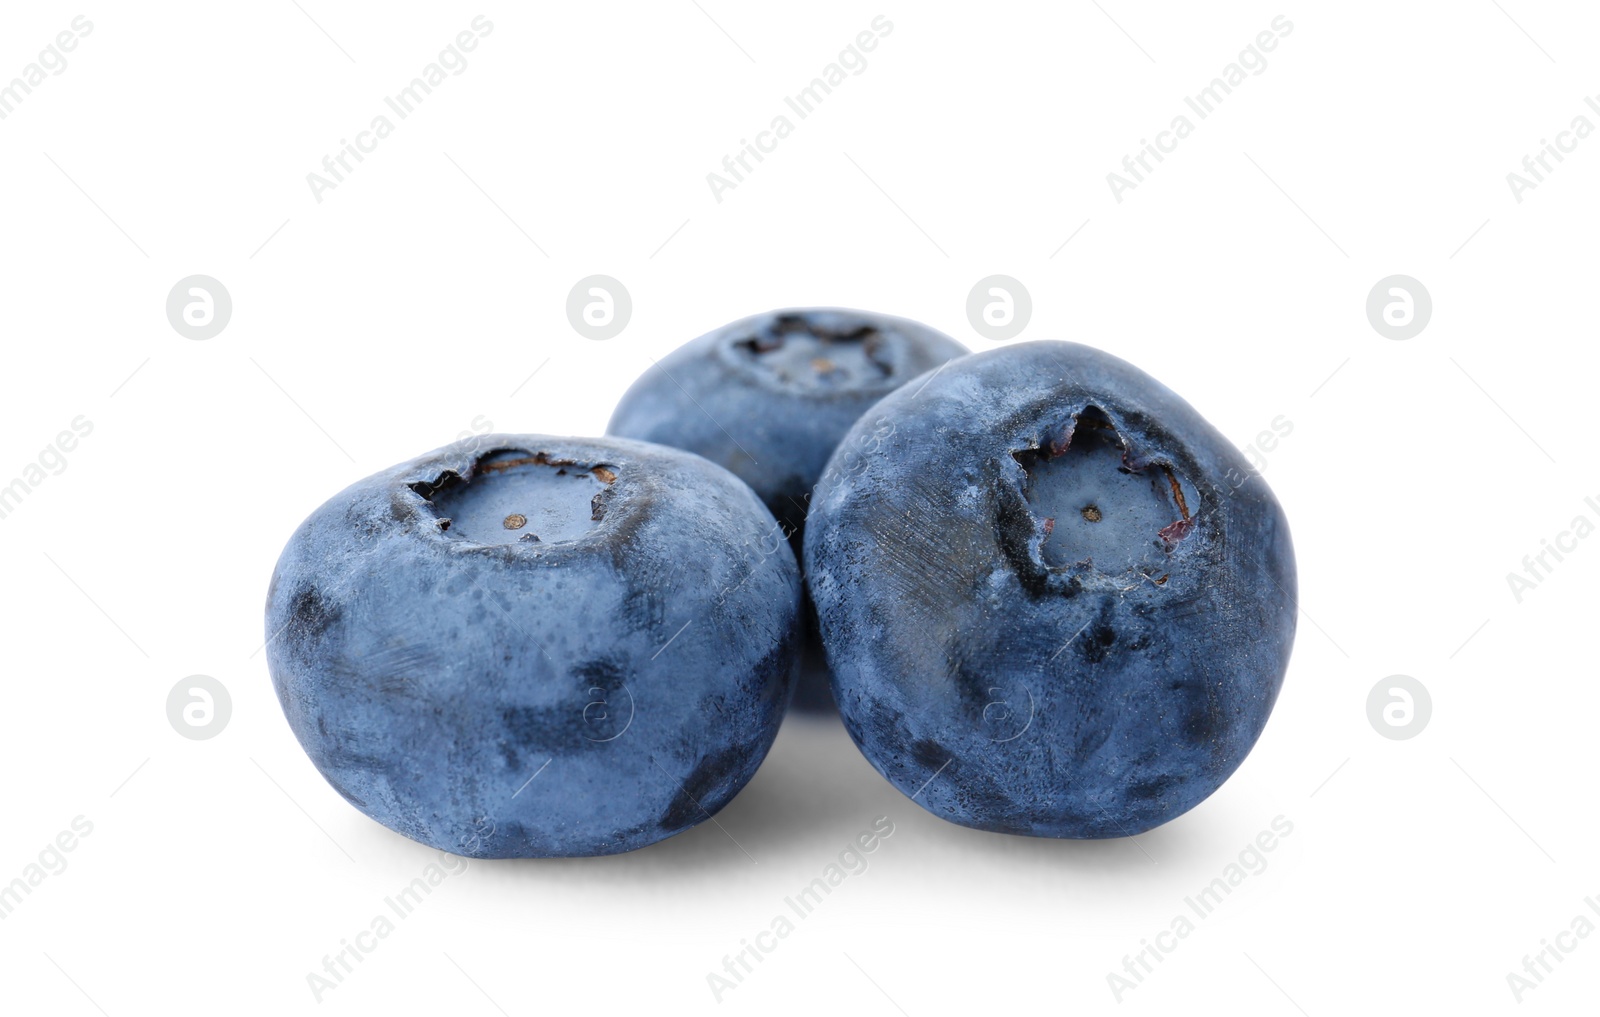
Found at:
(771, 396)
(535, 646)
(1054, 599)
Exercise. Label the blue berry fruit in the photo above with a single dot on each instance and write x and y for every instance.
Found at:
(1055, 600)
(771, 396)
(536, 646)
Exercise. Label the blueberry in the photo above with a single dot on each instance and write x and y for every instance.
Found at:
(536, 646)
(771, 396)
(1055, 600)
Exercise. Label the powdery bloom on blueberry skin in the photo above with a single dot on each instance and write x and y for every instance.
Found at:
(537, 646)
(1090, 645)
(770, 397)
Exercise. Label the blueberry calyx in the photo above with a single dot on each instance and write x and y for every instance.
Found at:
(804, 352)
(516, 496)
(1098, 507)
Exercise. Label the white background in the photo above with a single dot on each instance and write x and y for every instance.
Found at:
(419, 296)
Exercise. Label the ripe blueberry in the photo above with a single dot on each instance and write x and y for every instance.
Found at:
(534, 646)
(1049, 604)
(770, 396)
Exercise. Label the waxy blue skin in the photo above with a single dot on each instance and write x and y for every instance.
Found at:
(769, 397)
(495, 696)
(1035, 656)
